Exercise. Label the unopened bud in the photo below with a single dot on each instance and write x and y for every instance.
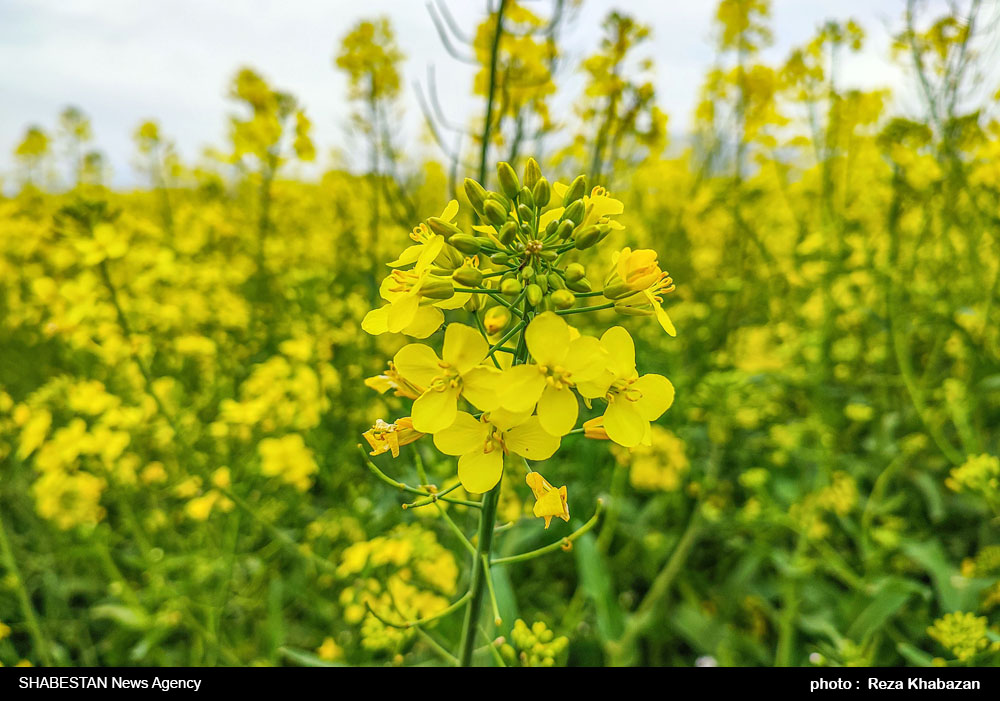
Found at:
(526, 198)
(532, 173)
(499, 258)
(474, 303)
(550, 228)
(510, 287)
(525, 212)
(533, 294)
(555, 281)
(496, 319)
(508, 179)
(587, 239)
(476, 194)
(581, 285)
(468, 276)
(542, 192)
(618, 290)
(576, 190)
(465, 243)
(563, 299)
(494, 212)
(527, 273)
(443, 228)
(564, 229)
(437, 288)
(508, 232)
(574, 272)
(574, 212)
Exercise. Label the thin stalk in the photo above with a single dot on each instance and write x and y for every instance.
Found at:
(487, 519)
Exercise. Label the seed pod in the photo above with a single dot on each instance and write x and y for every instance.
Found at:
(576, 190)
(588, 239)
(510, 287)
(574, 272)
(532, 173)
(534, 294)
(563, 299)
(555, 281)
(442, 228)
(526, 198)
(526, 213)
(499, 258)
(508, 179)
(496, 318)
(581, 285)
(565, 229)
(494, 213)
(465, 243)
(508, 232)
(476, 194)
(574, 213)
(468, 276)
(527, 273)
(542, 192)
(437, 288)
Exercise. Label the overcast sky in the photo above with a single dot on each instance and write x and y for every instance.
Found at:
(124, 61)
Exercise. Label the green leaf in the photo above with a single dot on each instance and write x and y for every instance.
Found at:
(307, 659)
(596, 581)
(890, 597)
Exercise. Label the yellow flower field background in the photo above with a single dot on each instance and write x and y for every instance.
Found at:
(730, 397)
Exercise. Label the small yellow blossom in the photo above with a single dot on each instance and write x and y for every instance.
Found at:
(549, 501)
(384, 437)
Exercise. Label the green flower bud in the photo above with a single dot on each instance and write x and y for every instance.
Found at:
(543, 282)
(587, 238)
(526, 213)
(499, 258)
(542, 192)
(555, 281)
(468, 276)
(532, 173)
(476, 194)
(494, 212)
(508, 232)
(510, 287)
(474, 303)
(574, 212)
(527, 273)
(442, 228)
(564, 229)
(496, 318)
(574, 272)
(437, 288)
(534, 294)
(526, 198)
(508, 179)
(576, 190)
(581, 285)
(548, 254)
(618, 291)
(563, 299)
(465, 243)
(550, 228)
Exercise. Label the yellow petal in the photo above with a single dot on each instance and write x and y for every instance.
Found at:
(450, 211)
(418, 363)
(657, 394)
(547, 337)
(587, 359)
(465, 435)
(661, 314)
(409, 255)
(464, 347)
(435, 410)
(557, 410)
(430, 251)
(402, 312)
(522, 386)
(481, 387)
(621, 350)
(531, 441)
(479, 471)
(426, 321)
(504, 419)
(549, 216)
(376, 321)
(624, 424)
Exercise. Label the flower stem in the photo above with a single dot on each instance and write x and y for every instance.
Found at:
(477, 586)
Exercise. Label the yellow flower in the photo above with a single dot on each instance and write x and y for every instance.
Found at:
(549, 501)
(633, 401)
(637, 280)
(329, 650)
(594, 429)
(599, 206)
(562, 361)
(384, 437)
(428, 244)
(288, 458)
(460, 372)
(391, 379)
(481, 445)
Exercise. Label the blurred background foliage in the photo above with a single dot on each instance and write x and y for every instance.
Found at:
(182, 366)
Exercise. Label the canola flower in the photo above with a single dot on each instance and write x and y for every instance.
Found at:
(507, 388)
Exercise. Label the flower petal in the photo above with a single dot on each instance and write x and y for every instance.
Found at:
(481, 387)
(465, 435)
(464, 347)
(418, 363)
(624, 424)
(531, 441)
(522, 386)
(480, 471)
(376, 321)
(558, 410)
(426, 321)
(435, 410)
(547, 337)
(621, 349)
(587, 358)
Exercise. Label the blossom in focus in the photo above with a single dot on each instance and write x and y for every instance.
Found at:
(384, 437)
(549, 501)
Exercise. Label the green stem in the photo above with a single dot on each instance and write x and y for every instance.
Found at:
(487, 518)
(583, 310)
(561, 544)
(27, 610)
